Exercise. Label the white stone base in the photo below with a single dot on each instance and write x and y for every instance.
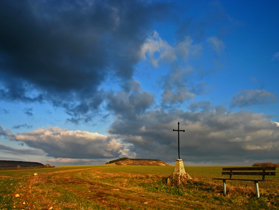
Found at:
(179, 176)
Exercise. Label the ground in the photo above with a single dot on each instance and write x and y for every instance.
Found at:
(128, 187)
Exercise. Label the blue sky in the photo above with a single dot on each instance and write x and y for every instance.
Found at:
(84, 82)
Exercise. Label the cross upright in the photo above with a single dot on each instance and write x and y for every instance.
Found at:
(178, 140)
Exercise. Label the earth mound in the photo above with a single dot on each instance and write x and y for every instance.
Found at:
(147, 162)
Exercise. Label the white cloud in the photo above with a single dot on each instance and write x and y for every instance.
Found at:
(154, 44)
(63, 143)
(167, 53)
(276, 123)
(265, 147)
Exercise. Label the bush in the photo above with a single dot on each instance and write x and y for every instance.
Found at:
(268, 164)
(47, 165)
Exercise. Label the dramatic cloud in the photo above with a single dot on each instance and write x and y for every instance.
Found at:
(134, 68)
(214, 135)
(129, 104)
(253, 97)
(63, 143)
(61, 51)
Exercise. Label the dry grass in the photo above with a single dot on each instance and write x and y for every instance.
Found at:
(134, 187)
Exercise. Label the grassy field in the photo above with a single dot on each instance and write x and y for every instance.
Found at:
(129, 187)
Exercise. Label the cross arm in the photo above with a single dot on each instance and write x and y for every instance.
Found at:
(178, 130)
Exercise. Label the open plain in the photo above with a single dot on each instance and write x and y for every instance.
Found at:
(129, 187)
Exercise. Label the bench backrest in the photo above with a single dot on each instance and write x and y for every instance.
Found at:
(263, 171)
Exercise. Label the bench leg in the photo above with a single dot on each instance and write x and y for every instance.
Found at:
(257, 189)
(224, 186)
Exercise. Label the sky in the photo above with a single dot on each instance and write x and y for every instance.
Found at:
(89, 81)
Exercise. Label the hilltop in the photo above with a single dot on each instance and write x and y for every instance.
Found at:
(128, 161)
(22, 164)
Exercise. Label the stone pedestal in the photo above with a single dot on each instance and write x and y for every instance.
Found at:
(179, 176)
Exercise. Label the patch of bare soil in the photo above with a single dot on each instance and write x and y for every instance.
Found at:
(142, 162)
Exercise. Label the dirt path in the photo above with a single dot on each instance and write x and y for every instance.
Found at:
(91, 188)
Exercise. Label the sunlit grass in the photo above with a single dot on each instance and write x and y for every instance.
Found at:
(129, 187)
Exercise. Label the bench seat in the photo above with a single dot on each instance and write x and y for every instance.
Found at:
(255, 180)
(240, 171)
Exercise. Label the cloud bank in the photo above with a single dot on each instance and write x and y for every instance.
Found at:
(63, 143)
(212, 135)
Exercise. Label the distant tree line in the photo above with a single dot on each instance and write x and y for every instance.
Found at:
(30, 167)
(267, 164)
(21, 164)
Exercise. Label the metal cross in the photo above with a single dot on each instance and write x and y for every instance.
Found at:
(178, 140)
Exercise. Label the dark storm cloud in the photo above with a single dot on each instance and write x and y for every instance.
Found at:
(17, 90)
(253, 97)
(129, 104)
(22, 126)
(213, 135)
(61, 51)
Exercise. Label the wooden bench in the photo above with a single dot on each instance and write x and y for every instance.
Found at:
(263, 171)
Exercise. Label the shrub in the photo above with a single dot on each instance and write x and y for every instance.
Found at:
(47, 165)
(267, 164)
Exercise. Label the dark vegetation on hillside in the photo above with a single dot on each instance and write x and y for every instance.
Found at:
(125, 158)
(268, 164)
(11, 164)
